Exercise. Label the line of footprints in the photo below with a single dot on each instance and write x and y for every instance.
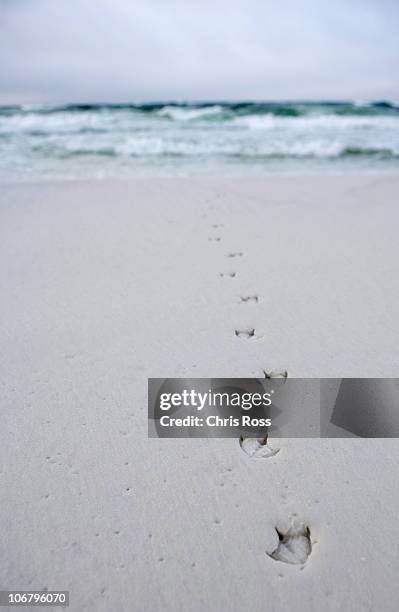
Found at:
(293, 538)
(244, 299)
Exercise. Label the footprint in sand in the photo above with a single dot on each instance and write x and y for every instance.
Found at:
(249, 298)
(245, 333)
(257, 448)
(282, 374)
(294, 545)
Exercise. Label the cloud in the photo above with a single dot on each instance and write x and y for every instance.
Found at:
(80, 50)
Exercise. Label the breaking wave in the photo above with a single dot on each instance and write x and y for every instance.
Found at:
(86, 138)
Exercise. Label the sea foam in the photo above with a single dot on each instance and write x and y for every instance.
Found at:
(92, 140)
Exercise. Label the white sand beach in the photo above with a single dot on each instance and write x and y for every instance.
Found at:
(107, 283)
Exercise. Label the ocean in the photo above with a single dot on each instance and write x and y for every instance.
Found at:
(95, 141)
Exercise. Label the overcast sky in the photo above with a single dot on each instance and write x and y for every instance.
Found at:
(136, 50)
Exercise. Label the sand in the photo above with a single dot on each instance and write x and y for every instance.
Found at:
(106, 284)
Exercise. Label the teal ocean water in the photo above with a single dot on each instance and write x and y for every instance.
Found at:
(122, 140)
